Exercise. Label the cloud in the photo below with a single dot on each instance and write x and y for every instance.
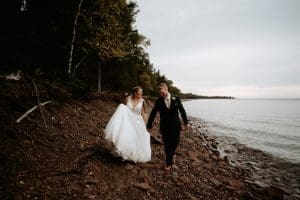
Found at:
(221, 44)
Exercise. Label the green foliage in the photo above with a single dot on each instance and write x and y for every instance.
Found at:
(39, 40)
(77, 87)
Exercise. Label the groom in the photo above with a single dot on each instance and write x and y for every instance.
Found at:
(170, 126)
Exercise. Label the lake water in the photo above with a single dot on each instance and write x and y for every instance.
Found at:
(271, 125)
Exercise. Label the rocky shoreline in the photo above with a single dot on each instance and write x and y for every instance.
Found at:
(68, 159)
(264, 170)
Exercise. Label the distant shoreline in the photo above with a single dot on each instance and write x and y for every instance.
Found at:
(196, 96)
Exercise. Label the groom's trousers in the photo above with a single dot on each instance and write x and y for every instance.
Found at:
(171, 141)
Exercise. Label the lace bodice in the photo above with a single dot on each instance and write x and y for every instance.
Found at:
(137, 109)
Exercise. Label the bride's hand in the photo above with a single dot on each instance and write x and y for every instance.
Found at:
(186, 127)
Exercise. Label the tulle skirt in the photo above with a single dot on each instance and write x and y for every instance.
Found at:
(128, 133)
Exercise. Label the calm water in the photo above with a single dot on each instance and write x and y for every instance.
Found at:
(269, 125)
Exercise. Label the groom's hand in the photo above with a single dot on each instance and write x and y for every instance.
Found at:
(186, 127)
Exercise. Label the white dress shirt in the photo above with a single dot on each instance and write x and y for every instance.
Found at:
(168, 100)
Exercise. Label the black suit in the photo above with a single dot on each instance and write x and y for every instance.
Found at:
(170, 125)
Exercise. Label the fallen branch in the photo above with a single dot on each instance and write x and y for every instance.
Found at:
(30, 111)
(15, 77)
(38, 103)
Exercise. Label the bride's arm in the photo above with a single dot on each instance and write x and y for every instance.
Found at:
(144, 111)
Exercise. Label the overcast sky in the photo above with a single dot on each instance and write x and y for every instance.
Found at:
(242, 48)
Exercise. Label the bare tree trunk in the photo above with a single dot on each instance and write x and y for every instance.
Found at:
(99, 77)
(73, 38)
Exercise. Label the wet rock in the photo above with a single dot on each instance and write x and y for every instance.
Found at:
(214, 157)
(226, 158)
(296, 196)
(256, 168)
(214, 145)
(261, 184)
(277, 179)
(251, 163)
(248, 195)
(217, 153)
(276, 192)
(227, 151)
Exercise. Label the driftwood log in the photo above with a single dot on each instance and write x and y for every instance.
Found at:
(30, 111)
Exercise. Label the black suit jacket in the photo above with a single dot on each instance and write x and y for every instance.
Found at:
(169, 117)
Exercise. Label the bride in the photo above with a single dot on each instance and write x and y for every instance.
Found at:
(127, 131)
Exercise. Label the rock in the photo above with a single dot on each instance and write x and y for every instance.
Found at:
(92, 181)
(256, 168)
(248, 181)
(261, 184)
(214, 145)
(197, 163)
(208, 166)
(217, 153)
(215, 181)
(227, 151)
(204, 186)
(143, 173)
(188, 140)
(226, 158)
(235, 183)
(276, 192)
(248, 195)
(277, 179)
(144, 186)
(193, 155)
(230, 187)
(147, 165)
(251, 163)
(214, 157)
(223, 171)
(192, 197)
(184, 179)
(296, 196)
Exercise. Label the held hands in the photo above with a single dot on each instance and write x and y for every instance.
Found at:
(186, 127)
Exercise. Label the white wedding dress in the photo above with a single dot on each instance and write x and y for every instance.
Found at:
(127, 131)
